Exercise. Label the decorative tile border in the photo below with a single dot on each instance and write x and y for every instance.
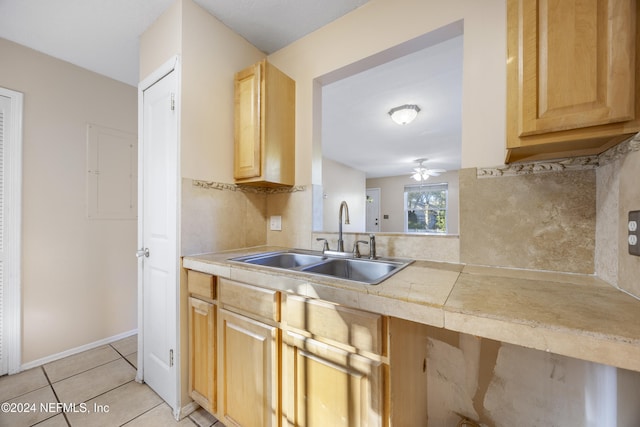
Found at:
(578, 163)
(619, 151)
(208, 185)
(561, 165)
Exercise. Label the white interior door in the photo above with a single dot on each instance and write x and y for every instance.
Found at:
(373, 209)
(10, 237)
(159, 244)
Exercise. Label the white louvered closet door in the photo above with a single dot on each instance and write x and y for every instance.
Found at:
(10, 214)
(4, 108)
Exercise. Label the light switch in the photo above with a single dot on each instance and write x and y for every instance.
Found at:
(276, 223)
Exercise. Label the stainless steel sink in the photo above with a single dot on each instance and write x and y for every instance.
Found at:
(366, 271)
(281, 259)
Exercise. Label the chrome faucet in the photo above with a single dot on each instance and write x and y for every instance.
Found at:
(356, 248)
(325, 246)
(344, 206)
(372, 246)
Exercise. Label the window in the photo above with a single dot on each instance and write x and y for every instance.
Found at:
(425, 208)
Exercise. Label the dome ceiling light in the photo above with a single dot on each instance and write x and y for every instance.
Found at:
(404, 114)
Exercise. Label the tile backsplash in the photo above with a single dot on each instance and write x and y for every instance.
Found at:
(618, 178)
(568, 215)
(218, 217)
(541, 221)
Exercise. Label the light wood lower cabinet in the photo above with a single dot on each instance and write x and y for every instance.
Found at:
(202, 353)
(248, 355)
(324, 385)
(257, 361)
(249, 386)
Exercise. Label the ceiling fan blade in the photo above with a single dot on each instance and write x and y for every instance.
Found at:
(435, 172)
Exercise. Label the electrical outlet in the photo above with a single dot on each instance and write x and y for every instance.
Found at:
(276, 223)
(634, 233)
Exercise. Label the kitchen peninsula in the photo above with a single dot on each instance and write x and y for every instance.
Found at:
(574, 315)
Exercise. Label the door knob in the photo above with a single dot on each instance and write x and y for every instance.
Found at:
(142, 252)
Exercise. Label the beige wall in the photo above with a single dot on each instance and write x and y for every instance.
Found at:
(340, 182)
(211, 54)
(161, 41)
(79, 275)
(392, 199)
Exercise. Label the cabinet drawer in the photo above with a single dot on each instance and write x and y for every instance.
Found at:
(264, 303)
(201, 284)
(356, 328)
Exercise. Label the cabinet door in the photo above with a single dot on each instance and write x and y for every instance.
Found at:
(202, 334)
(249, 372)
(575, 63)
(327, 386)
(248, 123)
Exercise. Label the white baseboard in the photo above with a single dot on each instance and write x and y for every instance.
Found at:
(72, 351)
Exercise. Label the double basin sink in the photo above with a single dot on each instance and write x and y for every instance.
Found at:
(368, 271)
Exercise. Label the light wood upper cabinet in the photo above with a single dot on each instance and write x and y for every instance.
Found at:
(572, 77)
(264, 126)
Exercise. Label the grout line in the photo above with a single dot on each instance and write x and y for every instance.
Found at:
(124, 357)
(215, 423)
(25, 393)
(98, 395)
(86, 370)
(141, 414)
(53, 390)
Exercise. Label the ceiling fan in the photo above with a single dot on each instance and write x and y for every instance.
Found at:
(421, 173)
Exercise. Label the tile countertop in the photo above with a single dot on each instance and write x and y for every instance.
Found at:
(568, 314)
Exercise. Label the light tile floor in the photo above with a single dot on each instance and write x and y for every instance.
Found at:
(100, 382)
